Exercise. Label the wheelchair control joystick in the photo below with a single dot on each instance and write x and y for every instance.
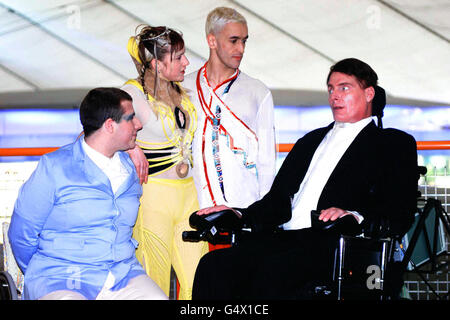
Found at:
(216, 228)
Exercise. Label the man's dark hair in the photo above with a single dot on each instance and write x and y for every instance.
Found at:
(99, 105)
(365, 75)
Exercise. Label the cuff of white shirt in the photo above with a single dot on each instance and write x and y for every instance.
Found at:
(358, 217)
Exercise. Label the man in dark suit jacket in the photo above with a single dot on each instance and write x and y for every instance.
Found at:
(351, 167)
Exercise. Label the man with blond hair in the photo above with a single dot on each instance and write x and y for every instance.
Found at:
(234, 145)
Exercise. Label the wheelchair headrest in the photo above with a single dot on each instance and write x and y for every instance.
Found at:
(379, 101)
(378, 104)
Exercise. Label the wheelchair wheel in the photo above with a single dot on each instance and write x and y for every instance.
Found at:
(8, 289)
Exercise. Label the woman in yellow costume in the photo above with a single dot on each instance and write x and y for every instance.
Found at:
(169, 121)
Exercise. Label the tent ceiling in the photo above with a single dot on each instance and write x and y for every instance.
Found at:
(48, 46)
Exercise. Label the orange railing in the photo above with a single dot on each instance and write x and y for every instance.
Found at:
(281, 147)
(12, 152)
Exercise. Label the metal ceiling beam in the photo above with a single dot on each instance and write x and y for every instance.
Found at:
(19, 77)
(20, 28)
(413, 20)
(289, 35)
(62, 40)
(140, 20)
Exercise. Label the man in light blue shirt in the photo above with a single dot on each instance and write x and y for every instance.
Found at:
(72, 223)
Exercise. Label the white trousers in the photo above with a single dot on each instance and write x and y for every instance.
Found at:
(139, 288)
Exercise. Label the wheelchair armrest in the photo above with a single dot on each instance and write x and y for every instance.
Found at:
(346, 225)
(224, 220)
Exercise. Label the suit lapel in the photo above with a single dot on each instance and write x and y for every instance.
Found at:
(94, 175)
(130, 180)
(352, 166)
(313, 144)
(357, 151)
(297, 162)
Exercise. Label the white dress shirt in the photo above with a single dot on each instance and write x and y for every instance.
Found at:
(112, 167)
(324, 161)
(116, 173)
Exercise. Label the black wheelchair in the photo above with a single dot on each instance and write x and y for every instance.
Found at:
(363, 266)
(8, 290)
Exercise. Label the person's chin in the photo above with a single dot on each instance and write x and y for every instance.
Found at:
(236, 65)
(131, 145)
(237, 61)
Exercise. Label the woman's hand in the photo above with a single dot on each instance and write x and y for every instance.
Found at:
(140, 162)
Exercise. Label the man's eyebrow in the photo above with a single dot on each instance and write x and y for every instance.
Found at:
(341, 84)
(237, 37)
(128, 117)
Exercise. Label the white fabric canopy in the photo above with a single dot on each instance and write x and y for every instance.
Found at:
(50, 45)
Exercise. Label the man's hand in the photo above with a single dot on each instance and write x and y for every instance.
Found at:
(140, 162)
(333, 214)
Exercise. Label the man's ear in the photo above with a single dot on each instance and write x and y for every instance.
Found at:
(108, 125)
(370, 93)
(211, 40)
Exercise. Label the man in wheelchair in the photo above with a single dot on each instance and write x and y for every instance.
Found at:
(349, 177)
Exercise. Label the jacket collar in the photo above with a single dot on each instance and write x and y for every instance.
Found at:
(94, 174)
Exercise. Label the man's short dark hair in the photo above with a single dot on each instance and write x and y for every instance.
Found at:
(365, 75)
(99, 105)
